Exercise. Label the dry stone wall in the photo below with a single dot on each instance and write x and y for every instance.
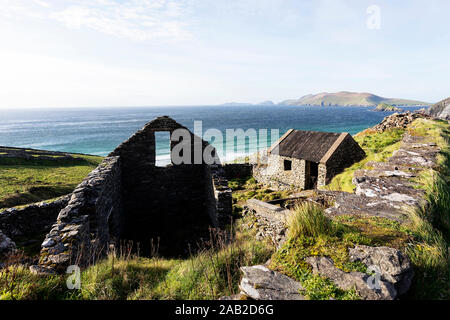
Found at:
(85, 227)
(31, 220)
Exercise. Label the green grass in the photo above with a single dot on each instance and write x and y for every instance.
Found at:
(24, 181)
(248, 188)
(377, 146)
(209, 274)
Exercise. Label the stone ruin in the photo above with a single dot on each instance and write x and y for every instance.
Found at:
(129, 197)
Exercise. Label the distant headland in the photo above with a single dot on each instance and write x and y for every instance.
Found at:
(342, 98)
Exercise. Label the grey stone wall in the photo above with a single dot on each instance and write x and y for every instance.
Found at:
(274, 175)
(219, 196)
(31, 220)
(238, 170)
(85, 227)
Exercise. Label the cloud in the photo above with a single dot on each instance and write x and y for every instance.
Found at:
(132, 19)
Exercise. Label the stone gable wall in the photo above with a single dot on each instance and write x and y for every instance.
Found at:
(345, 155)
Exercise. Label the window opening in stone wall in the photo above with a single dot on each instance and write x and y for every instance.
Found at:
(287, 165)
(162, 140)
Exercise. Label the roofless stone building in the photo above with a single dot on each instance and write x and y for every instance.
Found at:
(129, 197)
(308, 159)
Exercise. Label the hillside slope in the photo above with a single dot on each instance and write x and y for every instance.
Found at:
(441, 109)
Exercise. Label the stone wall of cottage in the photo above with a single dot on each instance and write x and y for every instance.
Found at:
(274, 175)
(345, 155)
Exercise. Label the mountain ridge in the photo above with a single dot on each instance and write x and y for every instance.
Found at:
(347, 98)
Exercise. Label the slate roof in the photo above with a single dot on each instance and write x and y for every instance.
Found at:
(307, 145)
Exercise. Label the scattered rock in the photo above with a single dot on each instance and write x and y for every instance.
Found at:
(39, 270)
(394, 265)
(7, 246)
(261, 283)
(366, 286)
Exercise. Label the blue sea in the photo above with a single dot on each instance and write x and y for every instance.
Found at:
(98, 131)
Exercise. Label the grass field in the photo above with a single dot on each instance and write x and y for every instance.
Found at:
(24, 181)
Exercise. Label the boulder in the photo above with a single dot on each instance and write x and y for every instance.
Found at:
(7, 246)
(368, 287)
(261, 283)
(393, 264)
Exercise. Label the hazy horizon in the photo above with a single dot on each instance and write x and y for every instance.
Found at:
(153, 53)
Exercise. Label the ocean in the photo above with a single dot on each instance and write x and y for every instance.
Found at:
(98, 131)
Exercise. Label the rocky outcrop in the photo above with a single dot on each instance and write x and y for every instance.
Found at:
(441, 109)
(387, 107)
(391, 272)
(261, 283)
(395, 267)
(7, 246)
(368, 288)
(396, 120)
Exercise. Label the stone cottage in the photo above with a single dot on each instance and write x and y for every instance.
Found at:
(308, 159)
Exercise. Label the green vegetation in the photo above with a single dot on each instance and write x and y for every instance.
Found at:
(377, 146)
(247, 188)
(430, 222)
(311, 233)
(24, 181)
(209, 274)
(309, 220)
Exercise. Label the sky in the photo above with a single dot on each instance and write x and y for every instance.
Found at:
(64, 53)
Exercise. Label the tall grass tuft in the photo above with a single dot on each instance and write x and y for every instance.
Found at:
(309, 219)
(430, 225)
(436, 208)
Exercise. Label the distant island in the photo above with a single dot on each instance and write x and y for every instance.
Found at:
(387, 107)
(345, 98)
(238, 104)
